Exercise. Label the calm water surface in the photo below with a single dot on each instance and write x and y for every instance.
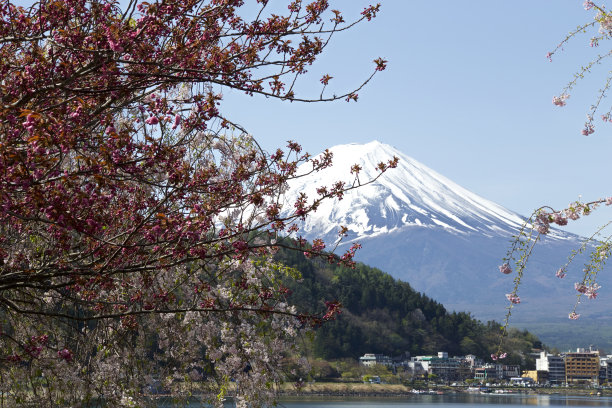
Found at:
(460, 401)
(447, 401)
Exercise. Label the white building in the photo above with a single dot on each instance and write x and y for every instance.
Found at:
(370, 360)
(554, 365)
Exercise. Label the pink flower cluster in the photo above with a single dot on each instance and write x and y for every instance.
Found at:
(589, 290)
(560, 100)
(542, 223)
(65, 354)
(572, 212)
(559, 219)
(560, 273)
(498, 356)
(580, 287)
(513, 298)
(505, 268)
(334, 308)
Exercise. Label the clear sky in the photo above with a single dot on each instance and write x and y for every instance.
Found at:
(467, 92)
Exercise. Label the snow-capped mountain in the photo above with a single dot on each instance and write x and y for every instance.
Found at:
(444, 240)
(411, 195)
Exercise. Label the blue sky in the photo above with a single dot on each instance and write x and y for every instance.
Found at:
(467, 92)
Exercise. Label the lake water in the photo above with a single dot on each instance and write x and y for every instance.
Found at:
(463, 400)
(460, 401)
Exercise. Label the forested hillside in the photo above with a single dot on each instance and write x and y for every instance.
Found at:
(384, 315)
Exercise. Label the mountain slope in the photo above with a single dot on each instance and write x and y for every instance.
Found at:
(444, 240)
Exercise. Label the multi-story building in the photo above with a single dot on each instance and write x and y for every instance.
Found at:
(473, 361)
(447, 369)
(582, 367)
(444, 367)
(465, 370)
(418, 367)
(370, 360)
(605, 369)
(554, 365)
(489, 372)
(510, 371)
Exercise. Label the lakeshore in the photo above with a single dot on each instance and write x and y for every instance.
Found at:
(360, 390)
(453, 400)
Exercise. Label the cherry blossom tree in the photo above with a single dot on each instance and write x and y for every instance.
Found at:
(600, 30)
(538, 225)
(137, 221)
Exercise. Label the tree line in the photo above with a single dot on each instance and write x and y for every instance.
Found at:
(383, 315)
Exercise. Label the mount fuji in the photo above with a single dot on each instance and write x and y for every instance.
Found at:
(442, 239)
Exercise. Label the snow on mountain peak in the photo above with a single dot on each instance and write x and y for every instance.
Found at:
(409, 196)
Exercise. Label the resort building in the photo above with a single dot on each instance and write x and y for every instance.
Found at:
(582, 367)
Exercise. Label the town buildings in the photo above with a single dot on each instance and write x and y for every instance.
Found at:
(581, 367)
(444, 368)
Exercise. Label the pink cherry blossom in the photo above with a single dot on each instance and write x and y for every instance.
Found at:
(560, 100)
(588, 129)
(177, 121)
(505, 268)
(559, 219)
(580, 287)
(513, 298)
(152, 120)
(560, 273)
